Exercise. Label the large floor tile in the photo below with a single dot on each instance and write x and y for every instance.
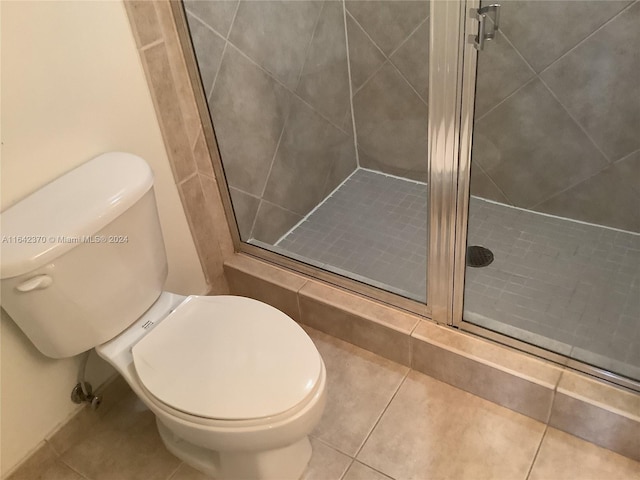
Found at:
(125, 444)
(360, 385)
(326, 463)
(433, 430)
(185, 472)
(358, 471)
(563, 456)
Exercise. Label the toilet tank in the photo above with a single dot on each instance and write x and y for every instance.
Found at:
(83, 257)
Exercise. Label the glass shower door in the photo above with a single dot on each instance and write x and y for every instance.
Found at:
(320, 112)
(553, 246)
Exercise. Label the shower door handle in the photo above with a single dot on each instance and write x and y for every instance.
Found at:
(481, 15)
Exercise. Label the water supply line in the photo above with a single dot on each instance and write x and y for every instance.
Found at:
(82, 392)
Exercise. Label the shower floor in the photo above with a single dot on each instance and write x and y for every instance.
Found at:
(562, 285)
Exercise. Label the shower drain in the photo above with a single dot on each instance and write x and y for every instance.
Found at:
(478, 256)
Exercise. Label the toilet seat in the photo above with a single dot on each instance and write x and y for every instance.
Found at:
(192, 361)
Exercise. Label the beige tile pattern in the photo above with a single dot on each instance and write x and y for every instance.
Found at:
(326, 463)
(433, 430)
(203, 225)
(412, 427)
(359, 471)
(171, 125)
(163, 59)
(606, 427)
(370, 380)
(364, 323)
(565, 457)
(273, 285)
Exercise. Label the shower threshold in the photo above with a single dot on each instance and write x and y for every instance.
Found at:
(562, 285)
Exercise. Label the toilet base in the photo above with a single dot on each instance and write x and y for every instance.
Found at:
(278, 464)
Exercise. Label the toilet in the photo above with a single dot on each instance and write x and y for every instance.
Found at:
(236, 385)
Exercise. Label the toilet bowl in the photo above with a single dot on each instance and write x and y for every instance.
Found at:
(236, 385)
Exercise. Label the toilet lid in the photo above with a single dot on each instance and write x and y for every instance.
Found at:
(228, 357)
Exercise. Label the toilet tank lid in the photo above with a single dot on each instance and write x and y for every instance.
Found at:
(68, 211)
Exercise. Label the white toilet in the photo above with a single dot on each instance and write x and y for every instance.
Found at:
(236, 385)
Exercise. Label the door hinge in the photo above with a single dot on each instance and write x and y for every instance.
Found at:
(486, 32)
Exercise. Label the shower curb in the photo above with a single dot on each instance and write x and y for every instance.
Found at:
(594, 410)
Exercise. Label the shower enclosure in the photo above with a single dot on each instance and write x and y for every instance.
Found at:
(369, 143)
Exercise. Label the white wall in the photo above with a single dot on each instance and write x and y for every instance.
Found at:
(72, 87)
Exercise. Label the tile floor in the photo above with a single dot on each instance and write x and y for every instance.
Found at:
(382, 421)
(566, 286)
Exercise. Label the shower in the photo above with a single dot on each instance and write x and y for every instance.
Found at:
(372, 141)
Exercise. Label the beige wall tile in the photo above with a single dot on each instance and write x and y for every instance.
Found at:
(179, 72)
(495, 373)
(144, 22)
(276, 286)
(203, 226)
(165, 99)
(365, 323)
(565, 457)
(598, 413)
(202, 157)
(220, 228)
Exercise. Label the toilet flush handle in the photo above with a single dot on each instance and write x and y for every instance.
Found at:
(35, 283)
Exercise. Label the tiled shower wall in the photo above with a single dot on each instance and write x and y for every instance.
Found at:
(558, 111)
(277, 79)
(277, 83)
(389, 57)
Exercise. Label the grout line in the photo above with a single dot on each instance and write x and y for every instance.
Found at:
(404, 378)
(409, 36)
(400, 71)
(308, 48)
(288, 89)
(215, 77)
(316, 207)
(587, 37)
(205, 24)
(477, 164)
(344, 474)
(557, 217)
(390, 175)
(172, 474)
(573, 185)
(386, 59)
(575, 120)
(371, 76)
(149, 46)
(535, 457)
(351, 93)
(325, 442)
